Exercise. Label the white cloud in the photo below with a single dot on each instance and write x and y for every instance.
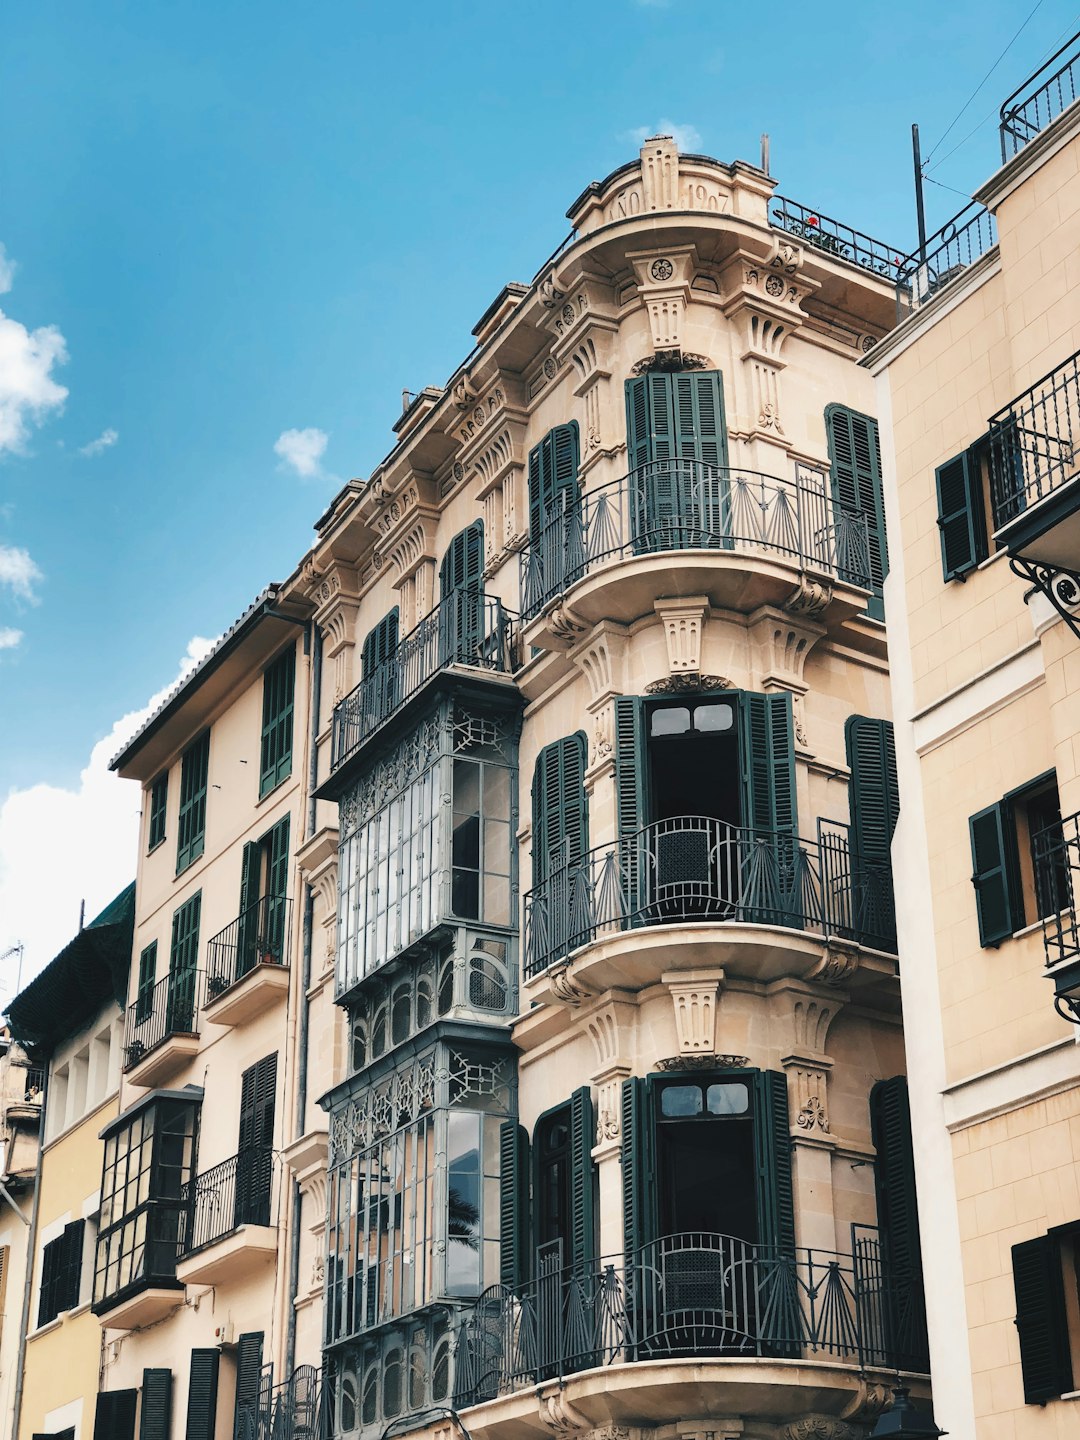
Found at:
(19, 572)
(90, 834)
(7, 271)
(686, 137)
(28, 392)
(9, 638)
(106, 439)
(302, 450)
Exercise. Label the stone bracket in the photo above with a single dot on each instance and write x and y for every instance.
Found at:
(683, 620)
(695, 994)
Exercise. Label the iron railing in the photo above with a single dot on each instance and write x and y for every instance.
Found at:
(219, 1201)
(258, 936)
(947, 254)
(1056, 854)
(1035, 442)
(171, 1008)
(700, 1295)
(466, 628)
(692, 868)
(833, 237)
(1034, 106)
(297, 1409)
(690, 505)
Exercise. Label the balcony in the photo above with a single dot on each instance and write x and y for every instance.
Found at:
(694, 870)
(225, 1229)
(833, 237)
(1040, 100)
(1035, 472)
(297, 1409)
(162, 1032)
(1056, 856)
(685, 505)
(467, 630)
(26, 1108)
(700, 1297)
(247, 962)
(946, 255)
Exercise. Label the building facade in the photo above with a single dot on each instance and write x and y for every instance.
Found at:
(979, 399)
(22, 1086)
(620, 1143)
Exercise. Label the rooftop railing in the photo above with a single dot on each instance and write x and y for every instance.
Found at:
(171, 1008)
(466, 628)
(694, 869)
(1035, 442)
(258, 936)
(220, 1200)
(698, 1295)
(689, 505)
(1040, 99)
(948, 253)
(833, 237)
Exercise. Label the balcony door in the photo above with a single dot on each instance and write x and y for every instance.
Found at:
(680, 493)
(264, 879)
(461, 585)
(183, 971)
(258, 1086)
(556, 540)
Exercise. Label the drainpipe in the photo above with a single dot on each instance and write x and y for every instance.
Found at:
(302, 1038)
(31, 1248)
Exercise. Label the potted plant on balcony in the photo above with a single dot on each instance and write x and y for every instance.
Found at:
(216, 985)
(135, 1051)
(265, 951)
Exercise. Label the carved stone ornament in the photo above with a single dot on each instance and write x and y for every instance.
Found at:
(867, 1403)
(687, 684)
(835, 967)
(810, 598)
(559, 1414)
(812, 1116)
(661, 269)
(819, 1427)
(564, 626)
(464, 393)
(703, 1062)
(670, 361)
(774, 286)
(550, 295)
(551, 367)
(564, 988)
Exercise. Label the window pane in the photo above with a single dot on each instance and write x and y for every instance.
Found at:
(680, 1100)
(728, 1099)
(713, 717)
(672, 720)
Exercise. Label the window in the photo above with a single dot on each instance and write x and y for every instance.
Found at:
(1018, 871)
(898, 1217)
(855, 465)
(149, 1160)
(560, 812)
(181, 1000)
(144, 996)
(275, 755)
(554, 491)
(159, 801)
(261, 931)
(202, 1395)
(249, 1359)
(461, 578)
(61, 1273)
(254, 1151)
(155, 1420)
(191, 826)
(874, 803)
(1046, 1284)
(963, 495)
(677, 452)
(114, 1415)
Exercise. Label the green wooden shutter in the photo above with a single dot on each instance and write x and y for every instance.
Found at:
(71, 1265)
(961, 522)
(191, 825)
(894, 1178)
(159, 802)
(461, 578)
(639, 1180)
(638, 444)
(772, 1137)
(380, 642)
(630, 795)
(114, 1415)
(767, 744)
(279, 686)
(553, 473)
(514, 1227)
(250, 894)
(183, 960)
(994, 861)
(559, 806)
(1042, 1323)
(855, 463)
(249, 1350)
(202, 1395)
(277, 887)
(51, 1258)
(582, 1182)
(874, 795)
(155, 1418)
(698, 410)
(258, 1095)
(144, 995)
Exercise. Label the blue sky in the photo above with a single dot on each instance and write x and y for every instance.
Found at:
(243, 220)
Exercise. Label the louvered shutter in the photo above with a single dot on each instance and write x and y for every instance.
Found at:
(961, 522)
(279, 685)
(768, 763)
(993, 857)
(202, 1395)
(155, 1415)
(144, 995)
(114, 1415)
(894, 1176)
(514, 1210)
(639, 1179)
(461, 577)
(250, 893)
(582, 1182)
(380, 643)
(698, 404)
(553, 478)
(1042, 1324)
(191, 823)
(772, 1136)
(638, 451)
(630, 797)
(560, 815)
(51, 1255)
(277, 885)
(249, 1350)
(183, 959)
(855, 463)
(71, 1265)
(874, 803)
(258, 1086)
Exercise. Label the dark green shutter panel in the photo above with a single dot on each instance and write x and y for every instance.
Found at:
(639, 1184)
(772, 1136)
(582, 1185)
(855, 463)
(993, 843)
(461, 577)
(380, 643)
(1042, 1324)
(894, 1177)
(71, 1265)
(698, 403)
(463, 564)
(191, 825)
(155, 1417)
(249, 1349)
(48, 1308)
(553, 477)
(250, 893)
(144, 996)
(279, 685)
(959, 501)
(202, 1395)
(767, 739)
(559, 806)
(277, 888)
(258, 1086)
(630, 797)
(875, 792)
(638, 450)
(114, 1415)
(514, 1228)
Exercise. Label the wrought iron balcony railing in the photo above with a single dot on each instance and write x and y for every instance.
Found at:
(258, 936)
(948, 252)
(695, 869)
(698, 1295)
(833, 237)
(466, 628)
(1056, 851)
(1040, 99)
(219, 1201)
(171, 1008)
(297, 1409)
(688, 505)
(1035, 442)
